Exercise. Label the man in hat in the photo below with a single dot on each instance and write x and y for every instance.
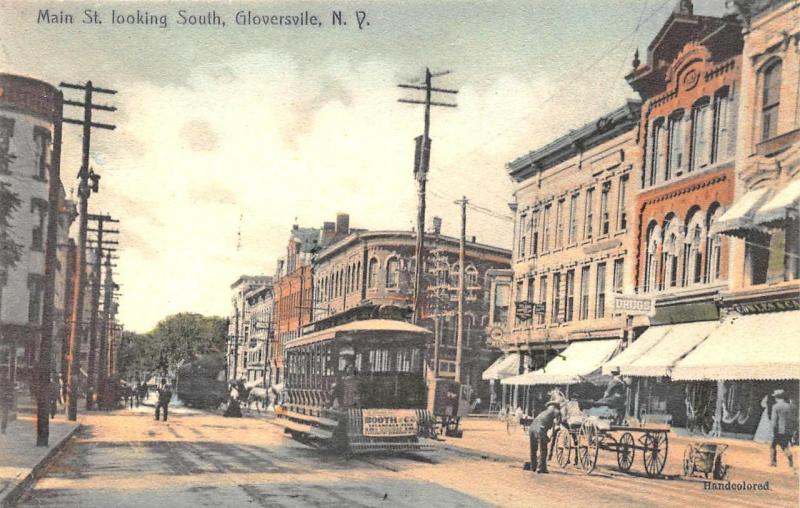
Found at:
(614, 395)
(781, 428)
(540, 425)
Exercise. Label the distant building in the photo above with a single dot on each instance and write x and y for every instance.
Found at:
(260, 302)
(370, 274)
(239, 324)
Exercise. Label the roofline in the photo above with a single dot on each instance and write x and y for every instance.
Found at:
(366, 235)
(261, 278)
(333, 332)
(609, 126)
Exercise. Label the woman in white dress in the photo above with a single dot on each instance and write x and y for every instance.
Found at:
(764, 430)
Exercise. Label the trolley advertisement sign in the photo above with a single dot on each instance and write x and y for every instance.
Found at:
(389, 422)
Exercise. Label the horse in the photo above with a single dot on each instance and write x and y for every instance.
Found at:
(258, 395)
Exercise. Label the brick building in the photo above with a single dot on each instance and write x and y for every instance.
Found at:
(239, 324)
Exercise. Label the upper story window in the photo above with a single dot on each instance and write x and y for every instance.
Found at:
(41, 144)
(622, 205)
(542, 295)
(584, 312)
(471, 276)
(700, 151)
(546, 228)
(619, 274)
(556, 297)
(600, 292)
(372, 274)
(38, 207)
(560, 223)
(573, 219)
(534, 232)
(6, 133)
(721, 130)
(675, 141)
(713, 247)
(523, 223)
(656, 150)
(651, 257)
(569, 297)
(589, 216)
(771, 98)
(605, 222)
(455, 273)
(392, 273)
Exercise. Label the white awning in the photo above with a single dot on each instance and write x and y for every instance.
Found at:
(676, 343)
(503, 367)
(775, 209)
(639, 347)
(740, 215)
(580, 359)
(254, 383)
(757, 346)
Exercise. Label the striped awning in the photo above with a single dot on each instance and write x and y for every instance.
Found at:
(740, 215)
(639, 347)
(581, 359)
(676, 342)
(785, 200)
(750, 347)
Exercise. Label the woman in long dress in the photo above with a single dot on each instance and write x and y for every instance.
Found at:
(764, 430)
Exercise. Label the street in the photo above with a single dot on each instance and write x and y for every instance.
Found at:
(125, 458)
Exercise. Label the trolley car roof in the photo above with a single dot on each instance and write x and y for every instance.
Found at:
(365, 326)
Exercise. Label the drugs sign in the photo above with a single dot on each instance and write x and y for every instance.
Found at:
(634, 305)
(389, 422)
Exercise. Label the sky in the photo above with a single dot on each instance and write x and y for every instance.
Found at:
(226, 136)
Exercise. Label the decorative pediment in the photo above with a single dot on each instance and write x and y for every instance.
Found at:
(688, 67)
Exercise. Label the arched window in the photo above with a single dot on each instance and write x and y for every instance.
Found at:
(771, 99)
(700, 151)
(455, 272)
(471, 276)
(358, 275)
(442, 272)
(392, 273)
(372, 275)
(669, 278)
(713, 247)
(693, 248)
(651, 257)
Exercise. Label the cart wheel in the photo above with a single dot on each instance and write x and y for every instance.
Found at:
(654, 454)
(720, 469)
(563, 447)
(588, 446)
(626, 450)
(688, 461)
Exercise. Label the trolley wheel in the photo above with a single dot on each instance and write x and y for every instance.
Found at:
(563, 449)
(626, 451)
(688, 461)
(588, 446)
(654, 453)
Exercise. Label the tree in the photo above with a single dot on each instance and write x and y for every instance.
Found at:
(10, 251)
(179, 337)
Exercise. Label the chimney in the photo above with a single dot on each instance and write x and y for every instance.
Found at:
(342, 224)
(437, 225)
(473, 239)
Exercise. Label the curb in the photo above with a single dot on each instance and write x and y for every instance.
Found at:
(22, 486)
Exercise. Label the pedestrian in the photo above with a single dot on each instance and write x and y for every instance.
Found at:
(164, 396)
(781, 428)
(6, 400)
(544, 422)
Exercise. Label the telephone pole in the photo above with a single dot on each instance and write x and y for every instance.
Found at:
(44, 365)
(422, 159)
(108, 303)
(89, 182)
(93, 386)
(461, 260)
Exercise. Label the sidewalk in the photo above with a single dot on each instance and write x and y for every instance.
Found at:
(489, 438)
(21, 460)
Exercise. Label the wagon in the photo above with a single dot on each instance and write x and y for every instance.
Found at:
(706, 458)
(582, 435)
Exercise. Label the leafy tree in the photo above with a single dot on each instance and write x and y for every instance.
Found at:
(10, 251)
(179, 337)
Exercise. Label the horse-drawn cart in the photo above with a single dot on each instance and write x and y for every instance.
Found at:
(583, 434)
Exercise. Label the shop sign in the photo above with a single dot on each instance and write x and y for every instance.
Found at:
(633, 305)
(389, 422)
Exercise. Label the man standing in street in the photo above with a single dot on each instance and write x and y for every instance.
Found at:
(164, 396)
(543, 422)
(781, 428)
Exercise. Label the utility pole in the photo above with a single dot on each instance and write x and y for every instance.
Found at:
(422, 159)
(88, 183)
(108, 296)
(44, 365)
(93, 386)
(461, 260)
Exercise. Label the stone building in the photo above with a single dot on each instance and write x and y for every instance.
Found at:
(30, 116)
(574, 203)
(370, 274)
(260, 303)
(239, 324)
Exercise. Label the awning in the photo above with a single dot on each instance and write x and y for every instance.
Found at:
(580, 359)
(676, 343)
(775, 209)
(740, 215)
(756, 346)
(503, 367)
(639, 347)
(254, 383)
